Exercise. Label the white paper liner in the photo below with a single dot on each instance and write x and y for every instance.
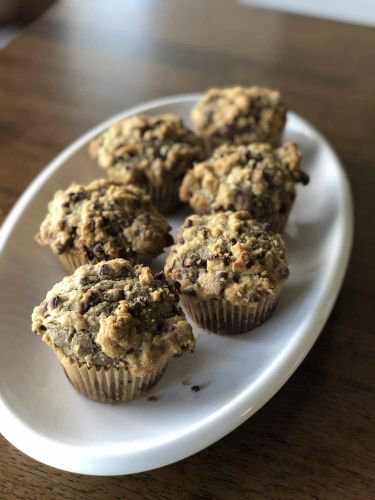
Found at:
(220, 316)
(108, 385)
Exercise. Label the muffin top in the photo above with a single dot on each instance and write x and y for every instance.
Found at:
(227, 255)
(104, 221)
(257, 178)
(240, 115)
(113, 314)
(143, 149)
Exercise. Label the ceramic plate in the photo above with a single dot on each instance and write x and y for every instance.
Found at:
(42, 415)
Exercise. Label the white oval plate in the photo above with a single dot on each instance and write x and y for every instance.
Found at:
(43, 416)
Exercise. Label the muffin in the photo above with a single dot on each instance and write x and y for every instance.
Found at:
(229, 269)
(113, 328)
(256, 178)
(152, 151)
(239, 115)
(102, 221)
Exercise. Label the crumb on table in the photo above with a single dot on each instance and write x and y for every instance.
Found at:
(152, 398)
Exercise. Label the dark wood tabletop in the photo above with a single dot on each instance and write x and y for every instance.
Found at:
(84, 61)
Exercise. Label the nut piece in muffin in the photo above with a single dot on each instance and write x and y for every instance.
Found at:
(153, 152)
(239, 115)
(102, 221)
(256, 178)
(230, 270)
(113, 327)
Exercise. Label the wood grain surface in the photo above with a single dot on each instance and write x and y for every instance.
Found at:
(84, 61)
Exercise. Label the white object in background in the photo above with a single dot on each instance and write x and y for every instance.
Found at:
(43, 416)
(350, 11)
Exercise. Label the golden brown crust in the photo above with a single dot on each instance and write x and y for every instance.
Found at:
(147, 150)
(256, 178)
(103, 221)
(228, 256)
(239, 115)
(113, 314)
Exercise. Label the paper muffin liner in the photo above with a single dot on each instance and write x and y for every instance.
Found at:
(277, 222)
(165, 197)
(73, 259)
(220, 316)
(108, 385)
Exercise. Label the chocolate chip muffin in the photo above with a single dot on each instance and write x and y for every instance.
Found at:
(102, 221)
(230, 270)
(153, 152)
(239, 115)
(256, 178)
(113, 327)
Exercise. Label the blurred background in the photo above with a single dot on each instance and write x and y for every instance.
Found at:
(16, 14)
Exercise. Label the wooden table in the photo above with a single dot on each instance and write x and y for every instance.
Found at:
(84, 61)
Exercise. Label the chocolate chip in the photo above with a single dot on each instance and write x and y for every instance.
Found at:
(84, 281)
(98, 250)
(222, 276)
(284, 272)
(60, 247)
(124, 271)
(176, 285)
(76, 197)
(92, 226)
(254, 297)
(204, 230)
(195, 388)
(283, 209)
(258, 157)
(236, 277)
(304, 178)
(90, 254)
(188, 223)
(226, 260)
(231, 207)
(159, 275)
(55, 301)
(136, 309)
(92, 301)
(145, 219)
(105, 269)
(181, 241)
(201, 262)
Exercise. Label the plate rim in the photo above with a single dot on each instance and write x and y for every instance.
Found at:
(89, 460)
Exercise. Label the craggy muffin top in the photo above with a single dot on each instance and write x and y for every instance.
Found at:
(257, 178)
(113, 314)
(227, 255)
(104, 221)
(240, 115)
(143, 149)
